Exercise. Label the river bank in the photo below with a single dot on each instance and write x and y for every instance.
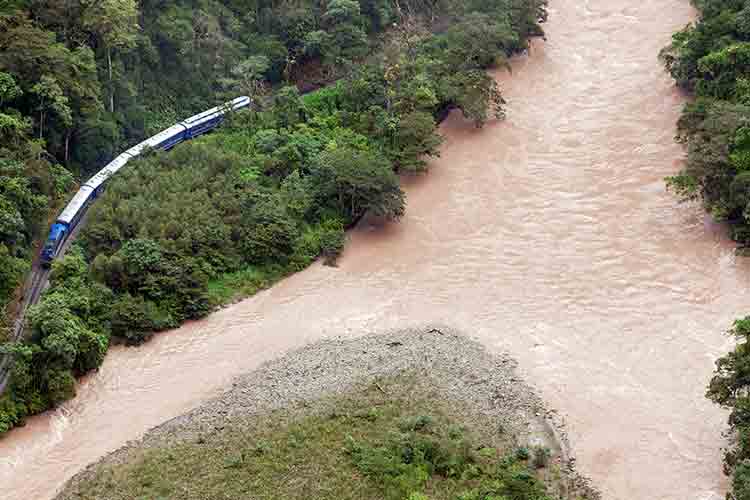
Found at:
(552, 228)
(180, 232)
(440, 367)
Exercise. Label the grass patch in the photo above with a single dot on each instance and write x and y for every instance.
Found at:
(243, 283)
(397, 444)
(324, 240)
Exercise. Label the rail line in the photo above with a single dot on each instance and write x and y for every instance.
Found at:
(35, 284)
(72, 218)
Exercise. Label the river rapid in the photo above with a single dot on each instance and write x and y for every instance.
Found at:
(549, 235)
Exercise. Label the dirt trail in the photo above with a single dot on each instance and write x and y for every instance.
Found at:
(549, 235)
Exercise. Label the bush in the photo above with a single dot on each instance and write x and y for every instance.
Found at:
(136, 319)
(415, 423)
(61, 385)
(741, 481)
(332, 238)
(422, 452)
(418, 496)
(522, 453)
(269, 235)
(11, 412)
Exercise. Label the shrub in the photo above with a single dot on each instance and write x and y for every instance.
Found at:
(405, 463)
(11, 412)
(332, 238)
(418, 423)
(136, 319)
(741, 481)
(522, 453)
(418, 496)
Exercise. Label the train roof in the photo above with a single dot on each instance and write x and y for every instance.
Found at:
(164, 135)
(115, 165)
(74, 205)
(98, 179)
(200, 116)
(237, 103)
(110, 169)
(136, 150)
(240, 102)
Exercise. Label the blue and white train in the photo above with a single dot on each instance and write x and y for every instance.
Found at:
(166, 139)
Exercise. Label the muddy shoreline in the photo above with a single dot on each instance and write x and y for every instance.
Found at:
(461, 370)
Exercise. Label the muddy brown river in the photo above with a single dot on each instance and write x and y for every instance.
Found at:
(549, 235)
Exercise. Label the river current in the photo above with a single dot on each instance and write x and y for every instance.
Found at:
(548, 235)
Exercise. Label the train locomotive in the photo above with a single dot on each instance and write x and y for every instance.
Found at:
(164, 140)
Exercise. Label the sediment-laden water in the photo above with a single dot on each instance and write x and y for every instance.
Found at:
(549, 235)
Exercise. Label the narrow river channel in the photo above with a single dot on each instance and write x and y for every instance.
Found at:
(549, 235)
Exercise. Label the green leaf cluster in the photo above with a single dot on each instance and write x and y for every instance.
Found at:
(729, 388)
(177, 233)
(422, 456)
(712, 58)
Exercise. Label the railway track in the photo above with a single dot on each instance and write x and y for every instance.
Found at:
(35, 284)
(34, 287)
(73, 217)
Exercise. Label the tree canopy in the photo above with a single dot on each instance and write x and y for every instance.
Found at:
(347, 94)
(711, 58)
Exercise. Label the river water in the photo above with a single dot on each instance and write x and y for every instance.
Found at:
(549, 235)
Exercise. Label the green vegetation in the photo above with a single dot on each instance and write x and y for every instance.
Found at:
(83, 79)
(711, 59)
(729, 388)
(31, 186)
(368, 445)
(178, 233)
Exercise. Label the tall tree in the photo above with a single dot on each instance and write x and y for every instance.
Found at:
(343, 22)
(9, 90)
(357, 182)
(114, 22)
(247, 77)
(50, 96)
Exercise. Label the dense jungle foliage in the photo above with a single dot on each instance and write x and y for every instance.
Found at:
(177, 233)
(82, 79)
(712, 59)
(729, 388)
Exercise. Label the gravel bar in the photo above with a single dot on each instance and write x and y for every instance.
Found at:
(459, 369)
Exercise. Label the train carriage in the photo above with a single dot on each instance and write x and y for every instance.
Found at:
(120, 161)
(65, 223)
(164, 140)
(136, 150)
(97, 181)
(73, 211)
(169, 138)
(207, 120)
